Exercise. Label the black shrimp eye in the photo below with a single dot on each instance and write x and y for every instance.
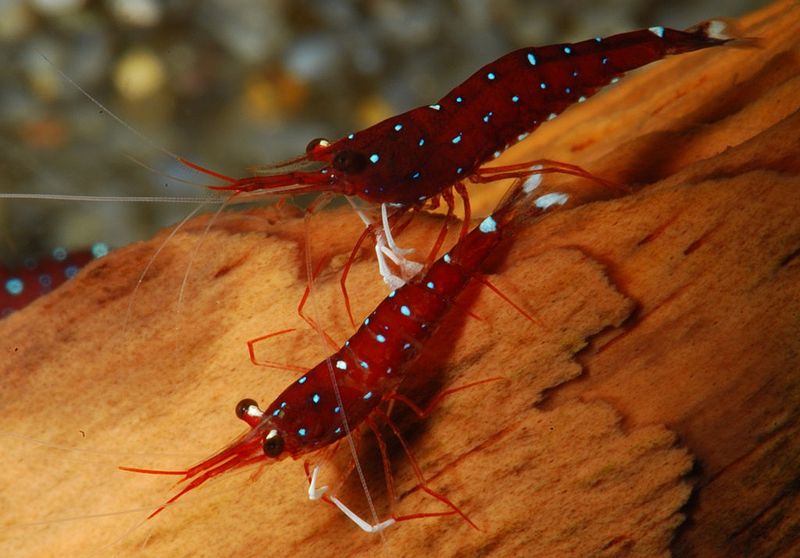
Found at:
(243, 406)
(317, 143)
(350, 161)
(273, 444)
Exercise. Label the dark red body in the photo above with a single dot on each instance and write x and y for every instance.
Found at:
(415, 156)
(22, 284)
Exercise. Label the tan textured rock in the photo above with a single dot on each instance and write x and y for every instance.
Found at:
(667, 338)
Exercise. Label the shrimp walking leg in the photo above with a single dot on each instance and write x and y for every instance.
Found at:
(385, 247)
(538, 166)
(315, 493)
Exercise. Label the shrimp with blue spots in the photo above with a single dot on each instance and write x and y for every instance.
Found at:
(349, 390)
(414, 158)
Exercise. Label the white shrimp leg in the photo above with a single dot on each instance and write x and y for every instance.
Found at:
(387, 248)
(315, 493)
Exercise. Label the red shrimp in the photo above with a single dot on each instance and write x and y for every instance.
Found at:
(413, 158)
(416, 156)
(344, 391)
(22, 284)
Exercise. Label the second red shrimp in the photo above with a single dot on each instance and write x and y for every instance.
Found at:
(343, 392)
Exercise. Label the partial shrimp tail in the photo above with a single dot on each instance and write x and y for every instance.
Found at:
(725, 31)
(527, 200)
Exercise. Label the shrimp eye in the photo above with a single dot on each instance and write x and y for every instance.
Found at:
(273, 444)
(317, 144)
(243, 407)
(350, 161)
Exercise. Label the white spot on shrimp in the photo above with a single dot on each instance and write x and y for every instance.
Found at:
(567, 50)
(496, 154)
(459, 99)
(341, 365)
(488, 225)
(543, 85)
(456, 139)
(552, 115)
(533, 181)
(405, 310)
(374, 158)
(380, 338)
(415, 175)
(421, 142)
(364, 364)
(447, 259)
(615, 80)
(486, 116)
(522, 136)
(315, 398)
(398, 127)
(657, 31)
(581, 99)
(515, 99)
(435, 107)
(367, 395)
(717, 29)
(430, 285)
(491, 75)
(302, 380)
(598, 39)
(15, 286)
(392, 294)
(531, 59)
(604, 60)
(350, 136)
(549, 200)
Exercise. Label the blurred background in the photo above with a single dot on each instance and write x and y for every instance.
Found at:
(231, 84)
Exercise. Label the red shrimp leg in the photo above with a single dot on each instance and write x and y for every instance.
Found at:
(308, 319)
(507, 299)
(387, 466)
(448, 198)
(537, 166)
(429, 408)
(423, 484)
(346, 271)
(462, 191)
(387, 471)
(269, 363)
